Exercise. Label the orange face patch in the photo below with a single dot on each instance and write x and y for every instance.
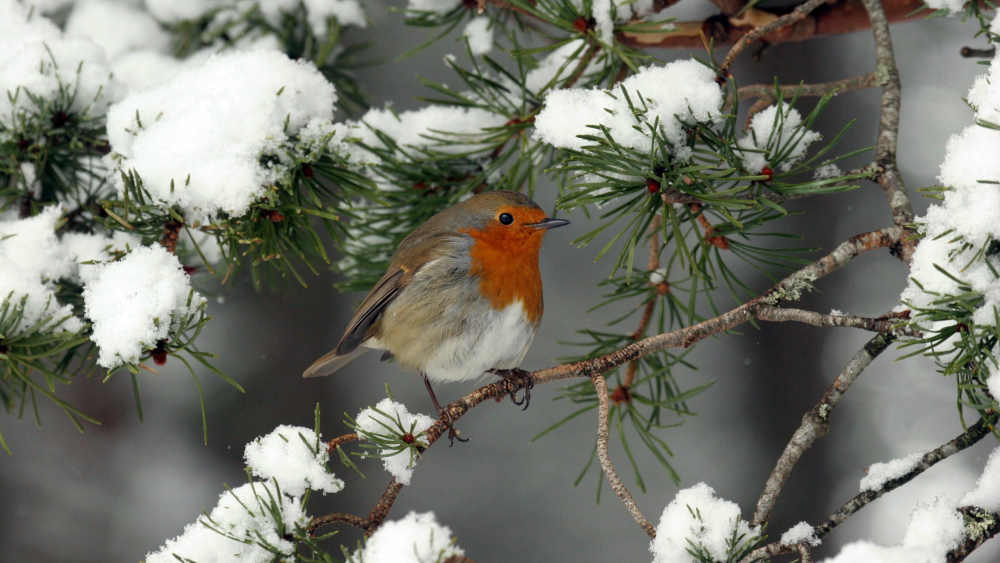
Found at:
(505, 257)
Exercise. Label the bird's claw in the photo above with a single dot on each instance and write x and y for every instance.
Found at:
(521, 379)
(453, 433)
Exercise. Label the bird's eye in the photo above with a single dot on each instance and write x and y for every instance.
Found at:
(506, 218)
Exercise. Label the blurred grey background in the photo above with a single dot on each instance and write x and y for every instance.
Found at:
(121, 489)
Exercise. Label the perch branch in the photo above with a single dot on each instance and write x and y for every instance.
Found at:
(788, 289)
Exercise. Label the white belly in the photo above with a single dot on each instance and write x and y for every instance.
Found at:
(499, 340)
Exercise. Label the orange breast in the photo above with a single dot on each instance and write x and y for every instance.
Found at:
(506, 261)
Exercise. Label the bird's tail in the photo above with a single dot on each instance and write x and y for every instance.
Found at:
(332, 361)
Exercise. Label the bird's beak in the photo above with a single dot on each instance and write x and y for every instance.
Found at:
(548, 223)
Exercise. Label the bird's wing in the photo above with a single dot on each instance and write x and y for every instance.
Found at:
(368, 312)
(371, 307)
(420, 250)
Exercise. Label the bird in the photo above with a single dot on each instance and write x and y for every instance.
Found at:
(461, 297)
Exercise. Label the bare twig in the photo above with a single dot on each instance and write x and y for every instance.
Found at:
(886, 323)
(971, 436)
(796, 15)
(601, 386)
(341, 440)
(888, 131)
(766, 94)
(973, 539)
(815, 423)
(647, 313)
(788, 289)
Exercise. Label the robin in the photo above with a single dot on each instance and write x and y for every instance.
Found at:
(462, 295)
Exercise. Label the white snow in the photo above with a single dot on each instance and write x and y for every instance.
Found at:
(244, 513)
(436, 6)
(118, 27)
(559, 64)
(658, 276)
(987, 492)
(139, 70)
(133, 303)
(880, 473)
(416, 128)
(173, 11)
(198, 138)
(401, 464)
(776, 131)
(679, 525)
(479, 32)
(971, 208)
(827, 171)
(35, 57)
(678, 91)
(33, 260)
(934, 529)
(295, 457)
(414, 538)
(800, 533)
(952, 6)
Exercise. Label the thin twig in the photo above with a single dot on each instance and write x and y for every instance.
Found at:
(601, 387)
(341, 440)
(815, 423)
(888, 128)
(796, 15)
(886, 323)
(971, 436)
(766, 94)
(652, 264)
(788, 289)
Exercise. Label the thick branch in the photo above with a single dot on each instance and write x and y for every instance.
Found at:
(815, 423)
(972, 435)
(845, 16)
(888, 130)
(601, 386)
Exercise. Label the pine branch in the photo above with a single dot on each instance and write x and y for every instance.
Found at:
(765, 93)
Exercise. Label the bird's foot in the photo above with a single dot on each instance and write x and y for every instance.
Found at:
(453, 433)
(520, 379)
